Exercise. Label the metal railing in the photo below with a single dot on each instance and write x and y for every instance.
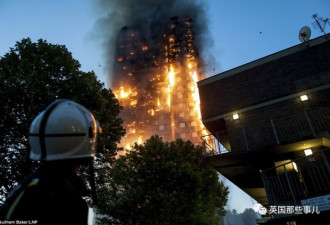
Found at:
(266, 133)
(299, 179)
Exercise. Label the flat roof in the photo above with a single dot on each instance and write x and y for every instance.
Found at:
(265, 59)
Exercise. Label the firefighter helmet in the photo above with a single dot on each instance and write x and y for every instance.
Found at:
(64, 130)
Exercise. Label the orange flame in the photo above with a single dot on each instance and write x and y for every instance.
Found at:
(174, 105)
(124, 93)
(171, 81)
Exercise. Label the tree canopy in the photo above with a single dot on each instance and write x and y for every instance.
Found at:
(155, 183)
(162, 183)
(247, 217)
(32, 75)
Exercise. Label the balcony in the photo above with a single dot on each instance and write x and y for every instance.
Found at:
(303, 178)
(300, 126)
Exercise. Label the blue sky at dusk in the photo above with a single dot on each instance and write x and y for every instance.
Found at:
(241, 31)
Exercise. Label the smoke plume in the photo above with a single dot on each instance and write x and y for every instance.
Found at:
(150, 16)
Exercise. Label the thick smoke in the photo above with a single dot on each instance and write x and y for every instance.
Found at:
(150, 16)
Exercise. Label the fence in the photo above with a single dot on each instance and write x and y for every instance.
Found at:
(266, 133)
(299, 179)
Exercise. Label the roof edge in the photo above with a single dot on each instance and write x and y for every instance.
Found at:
(268, 58)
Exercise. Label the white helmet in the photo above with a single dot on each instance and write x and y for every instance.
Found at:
(64, 130)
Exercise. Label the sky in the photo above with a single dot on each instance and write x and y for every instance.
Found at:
(241, 31)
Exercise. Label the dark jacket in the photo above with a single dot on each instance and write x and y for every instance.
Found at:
(49, 196)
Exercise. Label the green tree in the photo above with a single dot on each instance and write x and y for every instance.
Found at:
(248, 217)
(32, 75)
(163, 183)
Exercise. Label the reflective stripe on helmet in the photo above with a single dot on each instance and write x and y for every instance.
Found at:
(42, 128)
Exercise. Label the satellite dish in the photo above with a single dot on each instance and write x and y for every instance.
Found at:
(304, 34)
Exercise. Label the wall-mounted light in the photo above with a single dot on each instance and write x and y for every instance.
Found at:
(303, 98)
(308, 152)
(235, 116)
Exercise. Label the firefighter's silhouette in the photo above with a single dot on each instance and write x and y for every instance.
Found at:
(62, 137)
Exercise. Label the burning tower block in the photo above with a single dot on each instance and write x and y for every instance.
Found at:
(156, 75)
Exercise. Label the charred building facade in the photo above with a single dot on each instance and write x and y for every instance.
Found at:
(156, 75)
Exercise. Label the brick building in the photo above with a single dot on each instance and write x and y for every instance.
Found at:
(270, 124)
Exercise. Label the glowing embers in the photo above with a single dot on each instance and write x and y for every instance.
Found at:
(151, 112)
(133, 102)
(130, 129)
